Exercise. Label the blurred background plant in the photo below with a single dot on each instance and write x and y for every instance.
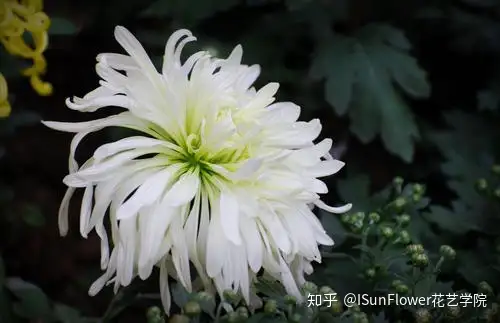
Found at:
(408, 89)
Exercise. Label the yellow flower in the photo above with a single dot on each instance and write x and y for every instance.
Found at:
(16, 18)
(4, 102)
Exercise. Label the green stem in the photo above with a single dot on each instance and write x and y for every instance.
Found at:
(109, 314)
(218, 312)
(438, 265)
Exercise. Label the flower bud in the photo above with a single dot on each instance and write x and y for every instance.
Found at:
(399, 203)
(154, 315)
(296, 318)
(242, 312)
(271, 306)
(374, 217)
(326, 290)
(416, 197)
(481, 185)
(453, 312)
(345, 218)
(203, 297)
(233, 317)
(192, 309)
(370, 273)
(485, 288)
(420, 260)
(310, 288)
(398, 181)
(359, 216)
(387, 232)
(179, 319)
(415, 249)
(496, 193)
(402, 289)
(396, 283)
(231, 296)
(418, 189)
(447, 252)
(336, 307)
(495, 169)
(404, 237)
(422, 315)
(290, 300)
(403, 219)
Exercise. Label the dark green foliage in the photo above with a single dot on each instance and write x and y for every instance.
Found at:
(364, 76)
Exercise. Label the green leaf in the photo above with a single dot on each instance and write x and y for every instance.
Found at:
(467, 148)
(33, 216)
(355, 188)
(66, 314)
(333, 227)
(189, 12)
(270, 287)
(62, 26)
(33, 304)
(208, 306)
(180, 295)
(365, 76)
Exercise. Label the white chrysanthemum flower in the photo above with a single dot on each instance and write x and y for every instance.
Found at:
(222, 178)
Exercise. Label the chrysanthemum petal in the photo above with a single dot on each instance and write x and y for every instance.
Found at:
(229, 216)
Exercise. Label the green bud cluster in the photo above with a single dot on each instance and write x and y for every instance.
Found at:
(399, 286)
(423, 315)
(447, 252)
(417, 255)
(485, 288)
(482, 185)
(387, 232)
(192, 309)
(154, 315)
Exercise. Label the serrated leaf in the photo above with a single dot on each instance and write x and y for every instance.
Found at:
(365, 75)
(467, 147)
(33, 304)
(473, 269)
(62, 26)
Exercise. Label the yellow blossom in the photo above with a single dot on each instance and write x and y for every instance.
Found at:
(4, 102)
(18, 17)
